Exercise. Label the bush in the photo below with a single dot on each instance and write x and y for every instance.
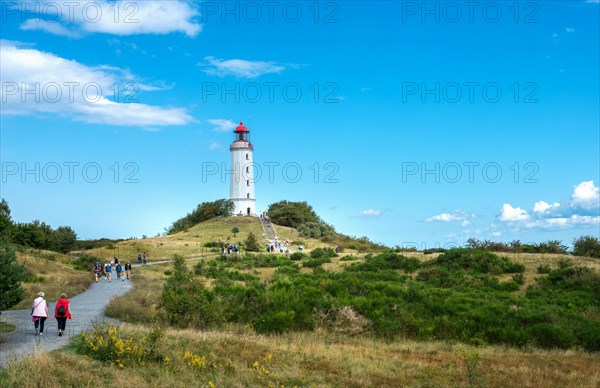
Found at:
(386, 261)
(276, 322)
(203, 212)
(108, 343)
(544, 269)
(185, 303)
(292, 214)
(478, 260)
(322, 253)
(587, 246)
(251, 244)
(313, 263)
(298, 256)
(213, 244)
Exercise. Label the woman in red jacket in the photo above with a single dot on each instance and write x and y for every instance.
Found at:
(61, 313)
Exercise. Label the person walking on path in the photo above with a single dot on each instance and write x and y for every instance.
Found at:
(120, 272)
(108, 270)
(61, 313)
(98, 270)
(39, 313)
(128, 270)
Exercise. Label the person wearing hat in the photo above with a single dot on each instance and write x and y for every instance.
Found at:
(39, 313)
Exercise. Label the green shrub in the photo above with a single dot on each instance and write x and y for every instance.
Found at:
(319, 253)
(275, 322)
(313, 263)
(108, 343)
(386, 260)
(298, 256)
(478, 260)
(213, 244)
(587, 246)
(544, 269)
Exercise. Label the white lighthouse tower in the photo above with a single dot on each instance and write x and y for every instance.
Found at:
(241, 189)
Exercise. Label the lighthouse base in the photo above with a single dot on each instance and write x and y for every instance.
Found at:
(244, 207)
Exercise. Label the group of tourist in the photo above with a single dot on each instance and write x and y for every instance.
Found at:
(39, 313)
(106, 270)
(142, 257)
(229, 249)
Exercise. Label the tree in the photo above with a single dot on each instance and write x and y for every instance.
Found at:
(65, 239)
(11, 276)
(587, 246)
(292, 214)
(6, 223)
(203, 212)
(235, 230)
(251, 243)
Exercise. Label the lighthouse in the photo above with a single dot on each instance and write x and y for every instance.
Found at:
(241, 189)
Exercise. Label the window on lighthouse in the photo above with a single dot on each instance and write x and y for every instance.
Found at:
(247, 170)
(248, 196)
(247, 157)
(247, 183)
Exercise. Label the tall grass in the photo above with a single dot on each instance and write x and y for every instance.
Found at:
(237, 359)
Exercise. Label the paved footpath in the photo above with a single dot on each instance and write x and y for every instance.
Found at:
(87, 309)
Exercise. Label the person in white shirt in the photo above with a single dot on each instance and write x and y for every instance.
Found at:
(39, 313)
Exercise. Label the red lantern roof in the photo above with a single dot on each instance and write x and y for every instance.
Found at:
(241, 128)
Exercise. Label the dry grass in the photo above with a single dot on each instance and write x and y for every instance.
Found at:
(313, 359)
(140, 305)
(57, 277)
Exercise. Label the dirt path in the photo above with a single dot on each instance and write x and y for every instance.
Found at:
(87, 309)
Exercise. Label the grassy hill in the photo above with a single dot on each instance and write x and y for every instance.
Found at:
(52, 273)
(190, 243)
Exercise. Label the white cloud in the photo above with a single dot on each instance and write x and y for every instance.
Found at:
(444, 217)
(457, 215)
(542, 207)
(586, 195)
(569, 29)
(240, 67)
(573, 221)
(120, 17)
(50, 27)
(37, 82)
(222, 125)
(510, 214)
(370, 213)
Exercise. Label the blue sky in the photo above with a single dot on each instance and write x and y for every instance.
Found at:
(411, 123)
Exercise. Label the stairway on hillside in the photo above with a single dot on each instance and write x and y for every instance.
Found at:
(270, 233)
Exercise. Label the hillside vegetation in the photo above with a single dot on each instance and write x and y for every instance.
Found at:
(200, 240)
(52, 273)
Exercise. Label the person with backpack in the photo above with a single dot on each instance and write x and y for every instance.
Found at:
(61, 313)
(119, 271)
(39, 313)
